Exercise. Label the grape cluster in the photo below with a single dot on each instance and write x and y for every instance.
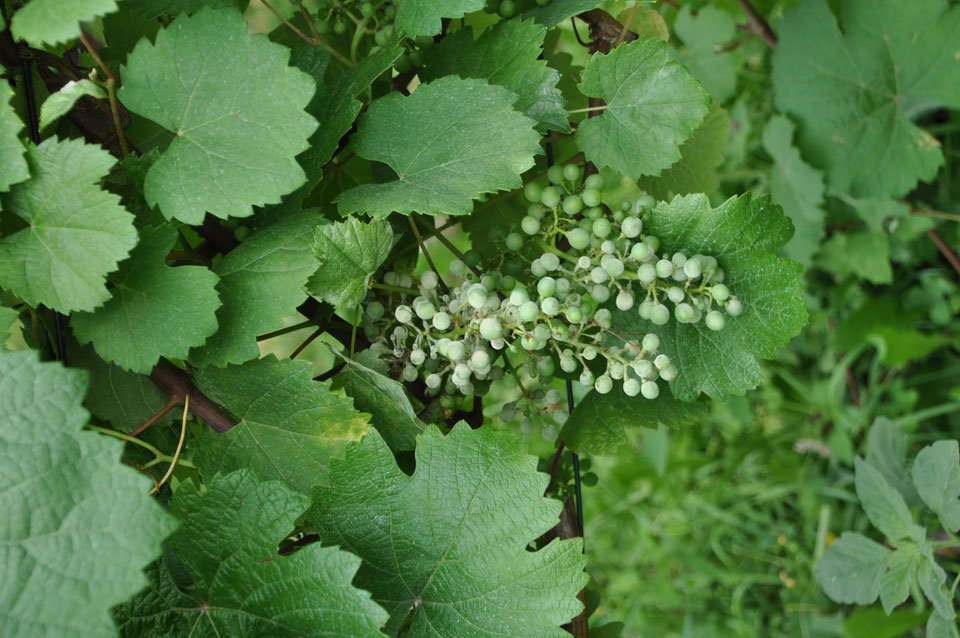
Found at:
(509, 8)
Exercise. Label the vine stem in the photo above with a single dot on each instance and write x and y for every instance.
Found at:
(176, 454)
(288, 329)
(590, 109)
(453, 249)
(353, 331)
(314, 41)
(303, 346)
(757, 24)
(156, 417)
(111, 84)
(389, 288)
(426, 253)
(944, 249)
(623, 33)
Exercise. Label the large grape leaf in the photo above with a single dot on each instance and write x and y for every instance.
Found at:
(261, 282)
(11, 150)
(76, 233)
(797, 187)
(696, 170)
(507, 55)
(448, 142)
(445, 550)
(235, 107)
(384, 398)
(702, 32)
(78, 527)
(422, 17)
(348, 253)
(744, 235)
(44, 22)
(242, 588)
(155, 310)
(854, 87)
(290, 425)
(653, 106)
(599, 423)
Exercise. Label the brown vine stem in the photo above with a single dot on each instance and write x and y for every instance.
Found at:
(944, 249)
(626, 25)
(426, 253)
(758, 24)
(156, 417)
(177, 384)
(453, 249)
(176, 454)
(303, 346)
(111, 83)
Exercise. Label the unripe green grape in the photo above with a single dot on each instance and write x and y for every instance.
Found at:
(547, 286)
(614, 267)
(550, 306)
(403, 314)
(339, 28)
(589, 353)
(568, 364)
(594, 181)
(603, 384)
(425, 310)
(508, 9)
(647, 273)
(477, 296)
(514, 241)
(493, 302)
(715, 320)
(546, 368)
(574, 314)
(604, 317)
(507, 283)
(645, 202)
(616, 370)
(508, 412)
(400, 333)
(591, 197)
(572, 204)
(601, 227)
(651, 342)
(679, 259)
(461, 374)
(631, 227)
(653, 242)
(676, 294)
(480, 360)
(550, 196)
(600, 293)
(417, 356)
(490, 328)
(518, 296)
(720, 292)
(579, 239)
(650, 389)
(631, 387)
(664, 268)
(382, 36)
(593, 214)
(529, 341)
(366, 9)
(734, 307)
(586, 377)
(583, 262)
(455, 351)
(661, 361)
(644, 369)
(443, 345)
(692, 268)
(555, 174)
(391, 278)
(684, 313)
(599, 275)
(560, 331)
(563, 287)
(409, 374)
(550, 261)
(375, 310)
(571, 172)
(719, 275)
(659, 314)
(624, 300)
(441, 321)
(536, 211)
(432, 380)
(489, 281)
(608, 248)
(472, 258)
(389, 11)
(644, 309)
(542, 331)
(530, 225)
(669, 373)
(458, 268)
(625, 205)
(560, 416)
(532, 191)
(550, 432)
(429, 280)
(529, 311)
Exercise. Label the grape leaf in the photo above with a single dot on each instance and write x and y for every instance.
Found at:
(45, 22)
(850, 87)
(559, 10)
(851, 569)
(448, 142)
(702, 32)
(227, 543)
(507, 55)
(261, 282)
(11, 150)
(60, 103)
(857, 252)
(77, 233)
(157, 8)
(883, 504)
(384, 398)
(236, 135)
(122, 30)
(795, 186)
(8, 316)
(155, 311)
(696, 170)
(936, 474)
(599, 423)
(348, 253)
(744, 235)
(444, 548)
(422, 17)
(653, 106)
(290, 425)
(76, 521)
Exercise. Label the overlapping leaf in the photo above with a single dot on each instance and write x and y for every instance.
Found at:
(850, 90)
(744, 235)
(702, 32)
(261, 282)
(236, 134)
(348, 253)
(45, 22)
(155, 310)
(11, 150)
(60, 103)
(507, 55)
(76, 232)
(448, 142)
(242, 588)
(290, 425)
(76, 521)
(445, 550)
(422, 17)
(653, 106)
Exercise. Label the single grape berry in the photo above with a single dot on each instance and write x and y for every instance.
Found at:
(603, 384)
(518, 296)
(651, 342)
(676, 294)
(601, 227)
(550, 261)
(591, 197)
(375, 310)
(599, 275)
(604, 317)
(586, 377)
(480, 360)
(579, 238)
(403, 314)
(533, 191)
(594, 181)
(669, 373)
(477, 296)
(664, 268)
(550, 196)
(441, 321)
(734, 307)
(514, 241)
(720, 292)
(550, 306)
(644, 368)
(631, 387)
(339, 28)
(659, 314)
(574, 314)
(529, 311)
(715, 320)
(624, 300)
(425, 310)
(508, 9)
(572, 204)
(600, 293)
(555, 174)
(684, 313)
(650, 389)
(530, 225)
(490, 328)
(614, 267)
(631, 227)
(571, 172)
(433, 380)
(646, 273)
